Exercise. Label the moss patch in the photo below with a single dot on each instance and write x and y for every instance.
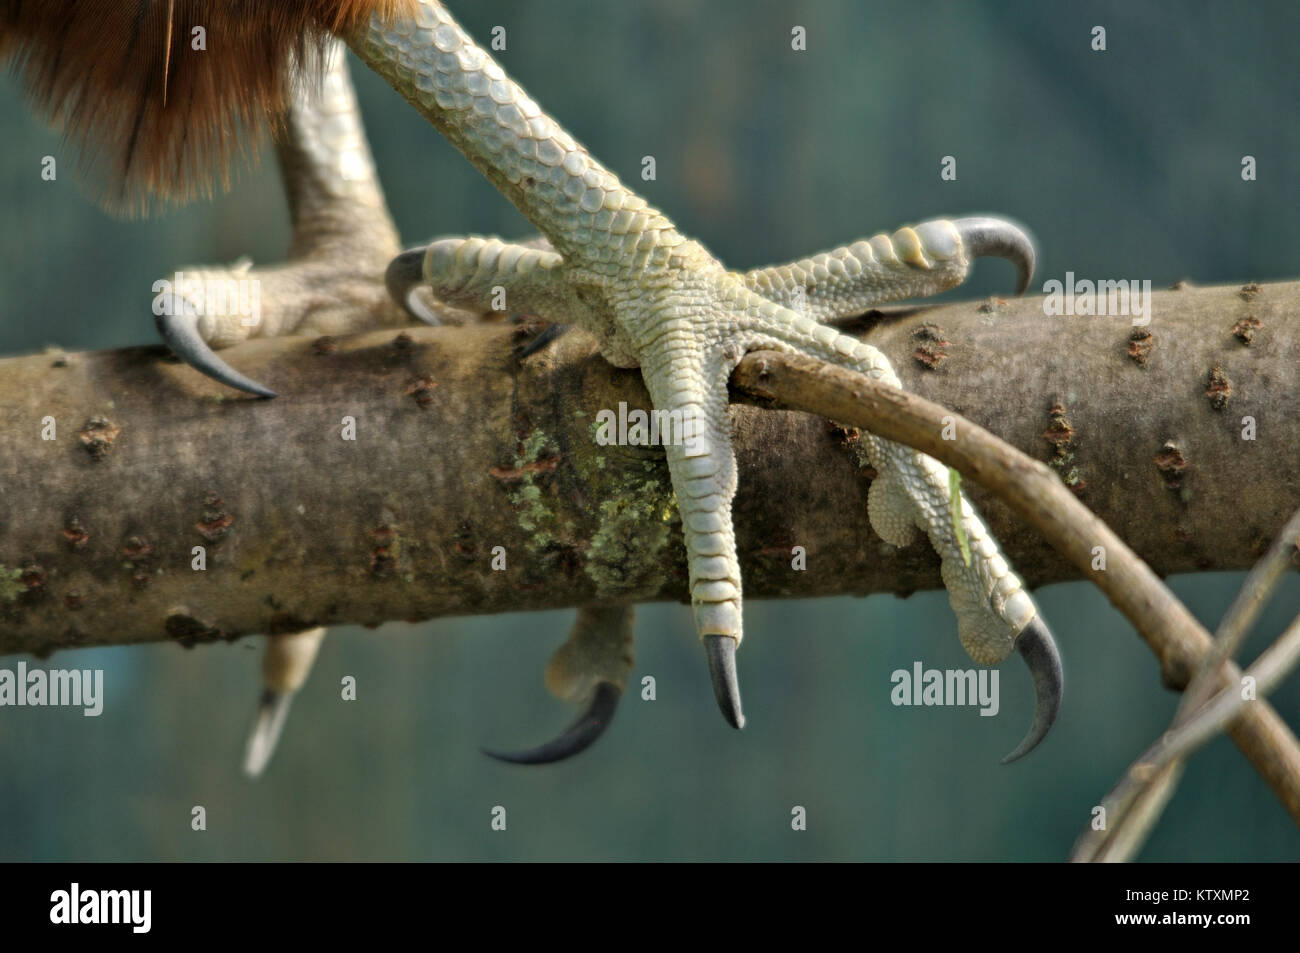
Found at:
(636, 525)
(10, 587)
(531, 508)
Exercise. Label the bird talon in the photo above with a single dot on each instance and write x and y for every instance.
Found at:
(579, 736)
(404, 276)
(721, 653)
(181, 334)
(542, 339)
(984, 237)
(1037, 648)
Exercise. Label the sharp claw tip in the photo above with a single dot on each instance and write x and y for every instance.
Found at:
(1016, 755)
(988, 237)
(181, 334)
(721, 653)
(541, 340)
(589, 726)
(404, 274)
(1038, 649)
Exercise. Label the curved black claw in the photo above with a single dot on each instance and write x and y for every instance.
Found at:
(998, 238)
(577, 738)
(721, 653)
(544, 337)
(404, 274)
(181, 332)
(1036, 647)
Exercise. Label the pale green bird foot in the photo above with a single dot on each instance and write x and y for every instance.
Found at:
(654, 299)
(686, 369)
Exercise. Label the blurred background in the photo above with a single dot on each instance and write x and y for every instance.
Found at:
(1124, 164)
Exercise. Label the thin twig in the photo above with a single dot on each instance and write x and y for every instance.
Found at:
(1153, 777)
(1180, 741)
(1034, 493)
(1243, 612)
(1126, 836)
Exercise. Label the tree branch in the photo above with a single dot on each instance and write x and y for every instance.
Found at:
(143, 504)
(460, 448)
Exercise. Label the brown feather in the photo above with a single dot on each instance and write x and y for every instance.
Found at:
(157, 118)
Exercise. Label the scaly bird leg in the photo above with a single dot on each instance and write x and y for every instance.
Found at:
(654, 299)
(589, 669)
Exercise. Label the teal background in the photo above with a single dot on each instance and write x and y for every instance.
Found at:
(1124, 164)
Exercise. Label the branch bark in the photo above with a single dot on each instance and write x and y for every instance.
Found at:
(460, 449)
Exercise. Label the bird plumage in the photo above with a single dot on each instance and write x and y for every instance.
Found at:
(164, 95)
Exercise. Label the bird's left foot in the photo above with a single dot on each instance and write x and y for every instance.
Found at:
(686, 365)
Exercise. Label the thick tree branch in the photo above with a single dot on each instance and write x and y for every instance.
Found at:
(403, 469)
(459, 449)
